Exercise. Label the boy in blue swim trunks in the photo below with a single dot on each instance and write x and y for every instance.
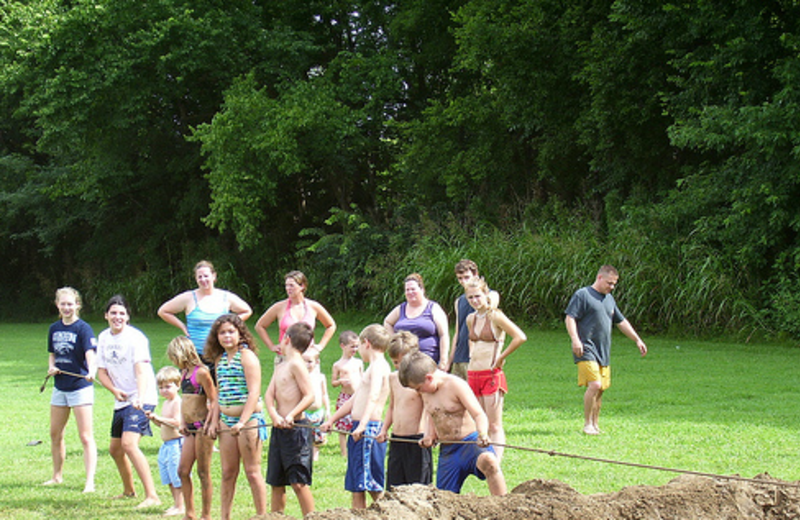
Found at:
(454, 414)
(365, 455)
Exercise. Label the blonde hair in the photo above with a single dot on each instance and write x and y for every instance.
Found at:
(377, 335)
(480, 284)
(402, 343)
(168, 375)
(69, 291)
(182, 353)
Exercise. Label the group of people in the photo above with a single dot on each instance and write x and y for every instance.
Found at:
(443, 390)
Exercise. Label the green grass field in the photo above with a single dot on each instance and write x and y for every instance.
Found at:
(715, 407)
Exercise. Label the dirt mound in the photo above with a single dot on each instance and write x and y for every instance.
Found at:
(686, 497)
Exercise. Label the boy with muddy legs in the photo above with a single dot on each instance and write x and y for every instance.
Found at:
(365, 456)
(454, 414)
(197, 391)
(347, 372)
(409, 463)
(289, 393)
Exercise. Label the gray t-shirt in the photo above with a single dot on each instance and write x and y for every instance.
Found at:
(594, 314)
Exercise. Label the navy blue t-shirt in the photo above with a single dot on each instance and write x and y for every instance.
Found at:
(69, 344)
(462, 342)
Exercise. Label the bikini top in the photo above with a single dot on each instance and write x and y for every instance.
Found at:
(486, 335)
(288, 320)
(487, 332)
(189, 385)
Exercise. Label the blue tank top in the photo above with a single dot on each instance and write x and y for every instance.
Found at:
(462, 342)
(423, 327)
(199, 322)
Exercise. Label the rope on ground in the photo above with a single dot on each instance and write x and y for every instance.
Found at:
(554, 453)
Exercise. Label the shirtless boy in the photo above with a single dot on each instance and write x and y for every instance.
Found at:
(454, 415)
(290, 449)
(365, 456)
(169, 455)
(409, 463)
(346, 374)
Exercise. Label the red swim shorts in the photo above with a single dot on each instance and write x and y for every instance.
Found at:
(487, 382)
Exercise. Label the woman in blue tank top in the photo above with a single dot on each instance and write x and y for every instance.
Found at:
(422, 317)
(202, 306)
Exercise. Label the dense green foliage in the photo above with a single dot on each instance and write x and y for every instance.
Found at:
(359, 141)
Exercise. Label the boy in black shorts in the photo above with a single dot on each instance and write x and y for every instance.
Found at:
(289, 393)
(409, 463)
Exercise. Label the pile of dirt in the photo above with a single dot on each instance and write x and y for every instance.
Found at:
(686, 497)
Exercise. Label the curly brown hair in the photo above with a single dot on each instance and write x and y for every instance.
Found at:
(213, 349)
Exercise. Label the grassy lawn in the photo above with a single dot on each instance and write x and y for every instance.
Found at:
(713, 407)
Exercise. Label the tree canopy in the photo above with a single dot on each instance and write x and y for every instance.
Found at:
(351, 137)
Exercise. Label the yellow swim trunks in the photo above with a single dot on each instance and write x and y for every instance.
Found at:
(592, 371)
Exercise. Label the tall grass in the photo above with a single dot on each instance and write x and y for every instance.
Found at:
(676, 288)
(711, 406)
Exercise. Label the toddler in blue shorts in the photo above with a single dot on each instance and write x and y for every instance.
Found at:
(169, 455)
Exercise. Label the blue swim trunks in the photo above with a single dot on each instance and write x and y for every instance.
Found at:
(458, 461)
(169, 457)
(365, 460)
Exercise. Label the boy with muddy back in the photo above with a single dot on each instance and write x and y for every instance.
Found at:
(454, 414)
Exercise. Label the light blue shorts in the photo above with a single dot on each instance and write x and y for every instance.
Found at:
(82, 397)
(169, 457)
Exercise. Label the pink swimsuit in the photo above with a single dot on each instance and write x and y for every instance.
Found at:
(288, 320)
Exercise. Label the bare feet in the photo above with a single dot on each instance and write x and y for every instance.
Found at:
(124, 495)
(173, 511)
(53, 482)
(89, 488)
(149, 502)
(591, 430)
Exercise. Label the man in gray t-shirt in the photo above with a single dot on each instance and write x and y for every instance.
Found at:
(589, 318)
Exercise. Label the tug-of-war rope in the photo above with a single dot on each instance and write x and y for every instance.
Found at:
(554, 453)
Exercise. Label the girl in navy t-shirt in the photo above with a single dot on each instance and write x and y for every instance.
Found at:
(72, 346)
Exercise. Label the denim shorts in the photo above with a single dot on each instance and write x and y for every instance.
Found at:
(82, 397)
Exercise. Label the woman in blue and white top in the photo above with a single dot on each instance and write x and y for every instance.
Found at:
(202, 306)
